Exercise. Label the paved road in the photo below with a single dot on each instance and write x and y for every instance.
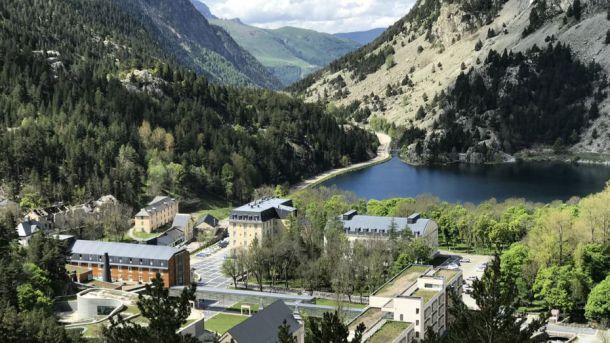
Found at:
(469, 270)
(209, 268)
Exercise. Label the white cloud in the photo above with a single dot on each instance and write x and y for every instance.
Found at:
(321, 15)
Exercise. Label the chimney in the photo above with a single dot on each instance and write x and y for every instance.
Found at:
(107, 275)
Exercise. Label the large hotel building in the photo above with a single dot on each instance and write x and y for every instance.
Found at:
(132, 263)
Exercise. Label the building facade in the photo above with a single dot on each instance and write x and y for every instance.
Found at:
(359, 227)
(419, 295)
(132, 263)
(160, 211)
(260, 219)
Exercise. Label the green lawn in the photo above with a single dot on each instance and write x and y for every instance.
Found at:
(215, 206)
(144, 235)
(223, 322)
(388, 332)
(93, 330)
(333, 303)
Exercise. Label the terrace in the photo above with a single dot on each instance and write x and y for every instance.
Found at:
(401, 282)
(447, 274)
(425, 294)
(369, 318)
(389, 332)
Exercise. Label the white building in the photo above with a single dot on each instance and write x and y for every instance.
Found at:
(419, 295)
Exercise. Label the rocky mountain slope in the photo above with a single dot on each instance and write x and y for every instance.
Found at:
(407, 76)
(289, 53)
(362, 37)
(181, 30)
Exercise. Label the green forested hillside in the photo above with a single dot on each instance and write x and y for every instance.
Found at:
(76, 121)
(544, 96)
(179, 28)
(290, 53)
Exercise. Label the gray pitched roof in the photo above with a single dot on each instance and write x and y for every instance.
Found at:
(208, 219)
(263, 210)
(263, 326)
(156, 205)
(28, 228)
(264, 204)
(381, 224)
(143, 251)
(181, 220)
(170, 237)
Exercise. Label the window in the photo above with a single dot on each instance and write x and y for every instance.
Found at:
(401, 317)
(417, 322)
(417, 335)
(416, 311)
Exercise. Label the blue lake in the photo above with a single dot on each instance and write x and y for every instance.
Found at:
(534, 181)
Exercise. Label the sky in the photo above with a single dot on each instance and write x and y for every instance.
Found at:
(330, 16)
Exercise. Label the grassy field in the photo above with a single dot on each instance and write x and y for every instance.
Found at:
(222, 322)
(215, 206)
(144, 235)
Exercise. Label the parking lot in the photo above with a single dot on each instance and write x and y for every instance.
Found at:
(208, 265)
(469, 269)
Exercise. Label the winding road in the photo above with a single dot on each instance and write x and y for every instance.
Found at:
(383, 153)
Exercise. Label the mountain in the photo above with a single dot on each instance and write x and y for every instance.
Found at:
(94, 104)
(180, 29)
(203, 9)
(288, 53)
(362, 37)
(479, 80)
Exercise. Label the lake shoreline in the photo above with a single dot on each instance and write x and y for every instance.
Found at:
(535, 181)
(383, 155)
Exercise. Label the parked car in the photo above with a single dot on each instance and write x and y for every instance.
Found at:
(223, 244)
(471, 278)
(465, 260)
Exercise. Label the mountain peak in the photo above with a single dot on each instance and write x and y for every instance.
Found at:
(203, 9)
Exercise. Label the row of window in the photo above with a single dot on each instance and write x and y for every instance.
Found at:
(361, 230)
(120, 260)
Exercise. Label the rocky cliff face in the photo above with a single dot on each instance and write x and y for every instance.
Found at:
(438, 41)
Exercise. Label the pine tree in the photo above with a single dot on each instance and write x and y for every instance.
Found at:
(330, 329)
(497, 319)
(165, 315)
(577, 9)
(478, 46)
(283, 335)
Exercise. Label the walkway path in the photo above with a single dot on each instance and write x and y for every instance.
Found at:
(383, 153)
